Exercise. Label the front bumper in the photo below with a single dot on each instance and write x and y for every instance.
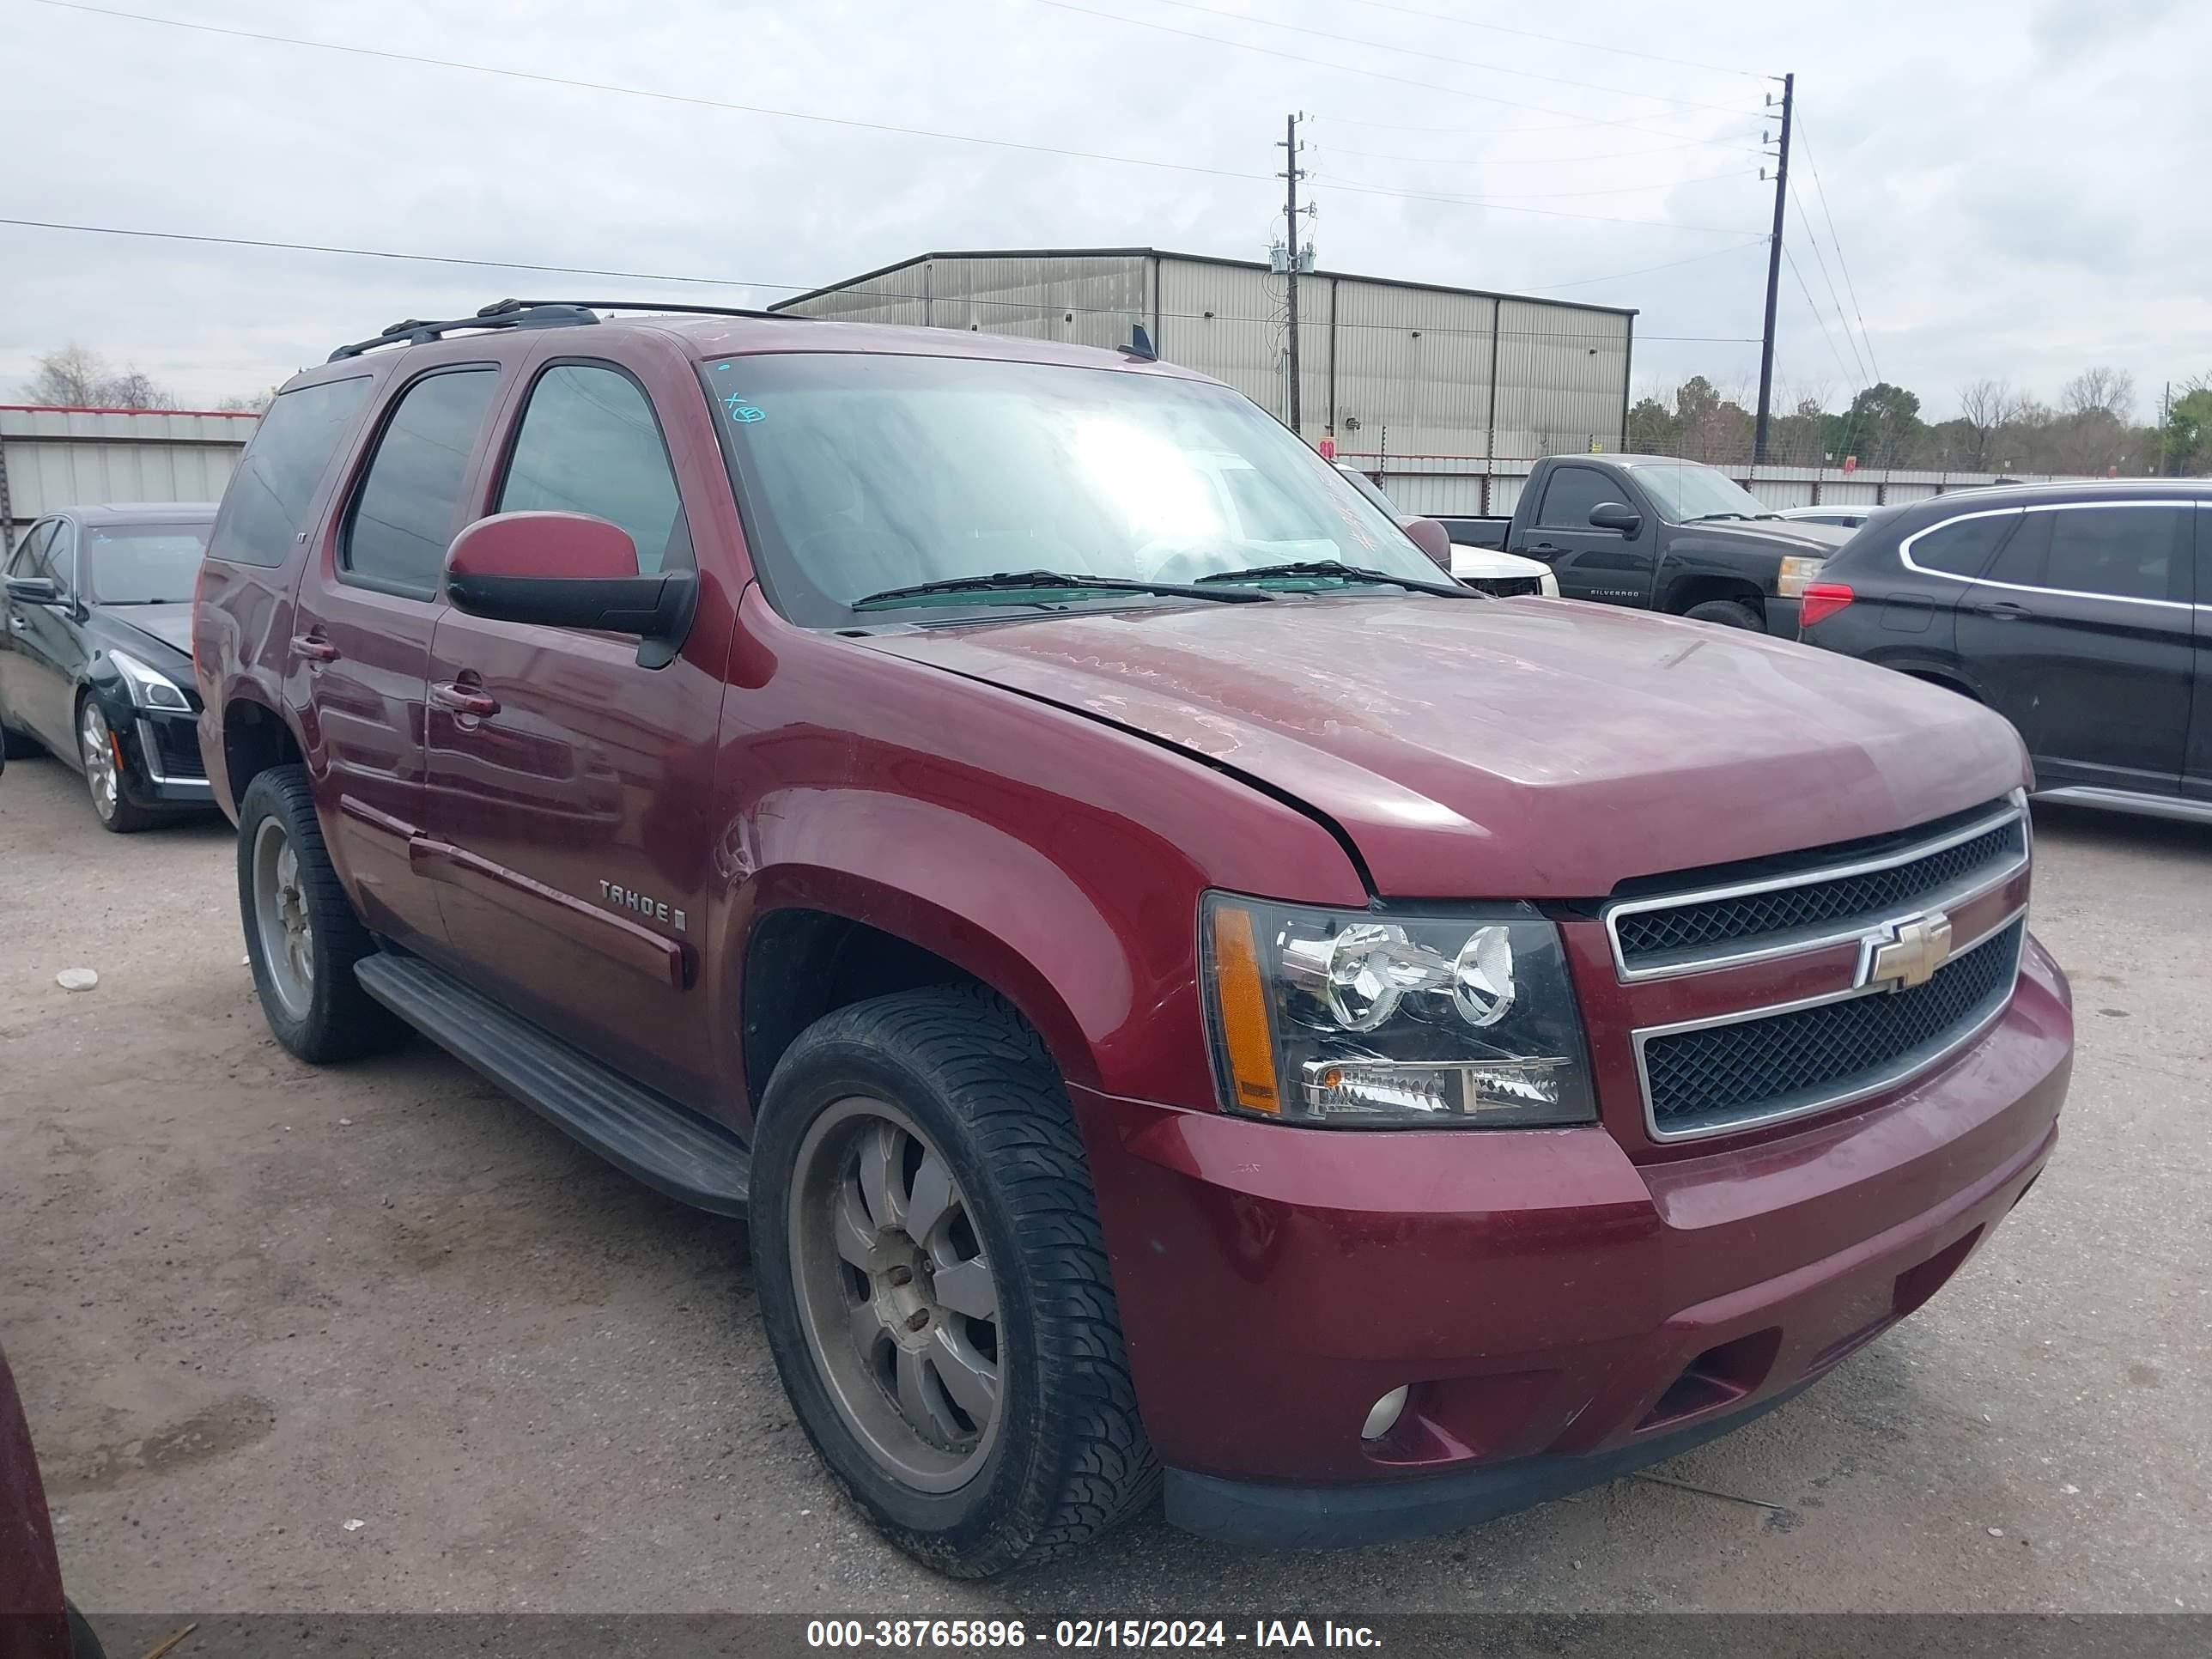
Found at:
(161, 758)
(1560, 1311)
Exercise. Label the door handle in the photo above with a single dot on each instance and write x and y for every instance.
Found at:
(313, 648)
(2004, 611)
(1543, 547)
(19, 624)
(463, 700)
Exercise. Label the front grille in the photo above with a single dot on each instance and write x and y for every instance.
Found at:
(1676, 935)
(1504, 587)
(1720, 1077)
(176, 748)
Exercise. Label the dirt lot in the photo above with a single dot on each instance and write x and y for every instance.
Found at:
(253, 1304)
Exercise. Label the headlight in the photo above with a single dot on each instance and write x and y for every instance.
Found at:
(1798, 575)
(1354, 1019)
(149, 687)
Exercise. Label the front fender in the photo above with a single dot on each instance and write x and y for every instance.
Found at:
(1103, 965)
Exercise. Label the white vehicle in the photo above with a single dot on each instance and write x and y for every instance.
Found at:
(1851, 518)
(1504, 574)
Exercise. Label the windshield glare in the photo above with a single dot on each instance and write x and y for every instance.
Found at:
(1687, 490)
(864, 471)
(143, 563)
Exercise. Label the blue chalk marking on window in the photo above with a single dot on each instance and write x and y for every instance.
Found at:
(742, 412)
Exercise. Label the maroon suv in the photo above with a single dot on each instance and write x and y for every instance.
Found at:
(1177, 987)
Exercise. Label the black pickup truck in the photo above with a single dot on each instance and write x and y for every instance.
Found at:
(1661, 534)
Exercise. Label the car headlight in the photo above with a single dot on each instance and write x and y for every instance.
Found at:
(149, 687)
(1368, 1018)
(1798, 574)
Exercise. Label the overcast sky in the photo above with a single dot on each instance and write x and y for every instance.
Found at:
(2018, 189)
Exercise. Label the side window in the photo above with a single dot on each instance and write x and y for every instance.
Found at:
(2121, 552)
(58, 558)
(274, 484)
(30, 549)
(1572, 493)
(410, 503)
(1963, 546)
(589, 444)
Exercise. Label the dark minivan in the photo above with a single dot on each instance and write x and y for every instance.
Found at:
(2077, 611)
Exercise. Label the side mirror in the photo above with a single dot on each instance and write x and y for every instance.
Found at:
(33, 590)
(569, 570)
(1616, 516)
(1433, 539)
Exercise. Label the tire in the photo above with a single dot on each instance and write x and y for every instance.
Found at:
(302, 937)
(1729, 613)
(1061, 1457)
(105, 778)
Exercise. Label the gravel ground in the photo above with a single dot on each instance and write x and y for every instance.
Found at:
(376, 1339)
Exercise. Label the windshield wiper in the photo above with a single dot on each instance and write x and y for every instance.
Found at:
(1006, 581)
(1350, 573)
(1701, 518)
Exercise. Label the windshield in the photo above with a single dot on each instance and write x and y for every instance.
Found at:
(1367, 487)
(1685, 490)
(143, 563)
(865, 471)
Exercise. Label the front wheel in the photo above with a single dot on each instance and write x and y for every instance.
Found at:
(934, 1283)
(104, 774)
(302, 937)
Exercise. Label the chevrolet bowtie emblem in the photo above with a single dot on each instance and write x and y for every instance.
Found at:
(1907, 953)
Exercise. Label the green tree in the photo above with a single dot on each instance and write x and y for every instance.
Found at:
(1882, 427)
(2186, 443)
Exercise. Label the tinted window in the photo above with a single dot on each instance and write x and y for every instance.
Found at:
(410, 503)
(27, 551)
(276, 481)
(1963, 546)
(2127, 552)
(58, 559)
(143, 563)
(589, 444)
(1572, 493)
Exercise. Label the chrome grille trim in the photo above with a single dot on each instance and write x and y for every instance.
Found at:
(1863, 1086)
(1841, 931)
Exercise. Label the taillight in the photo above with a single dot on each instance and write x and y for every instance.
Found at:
(1822, 601)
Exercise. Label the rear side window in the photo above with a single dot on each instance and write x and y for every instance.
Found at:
(2114, 552)
(1573, 491)
(1963, 546)
(269, 497)
(589, 444)
(30, 549)
(410, 501)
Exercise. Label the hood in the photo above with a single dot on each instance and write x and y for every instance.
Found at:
(1468, 560)
(1786, 535)
(170, 625)
(1543, 749)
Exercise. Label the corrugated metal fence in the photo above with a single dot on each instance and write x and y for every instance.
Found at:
(56, 457)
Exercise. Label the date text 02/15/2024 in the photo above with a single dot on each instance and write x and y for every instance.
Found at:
(1085, 1634)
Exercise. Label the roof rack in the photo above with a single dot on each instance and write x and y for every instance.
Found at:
(534, 313)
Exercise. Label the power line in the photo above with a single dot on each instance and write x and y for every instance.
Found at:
(1513, 161)
(1641, 270)
(421, 60)
(1791, 259)
(1439, 57)
(732, 282)
(1485, 200)
(1820, 191)
(1579, 118)
(1858, 357)
(1562, 41)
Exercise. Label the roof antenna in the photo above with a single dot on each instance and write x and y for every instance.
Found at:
(1140, 344)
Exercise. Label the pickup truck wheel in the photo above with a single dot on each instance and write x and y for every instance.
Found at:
(934, 1283)
(1729, 613)
(302, 937)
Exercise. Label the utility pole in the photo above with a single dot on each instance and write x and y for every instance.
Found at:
(1773, 279)
(1291, 174)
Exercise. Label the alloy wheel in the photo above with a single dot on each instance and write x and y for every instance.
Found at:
(285, 931)
(98, 747)
(897, 1296)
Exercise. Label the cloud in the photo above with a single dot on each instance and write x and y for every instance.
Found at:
(2002, 188)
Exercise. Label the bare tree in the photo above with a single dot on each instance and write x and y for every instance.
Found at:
(74, 378)
(1988, 406)
(2104, 391)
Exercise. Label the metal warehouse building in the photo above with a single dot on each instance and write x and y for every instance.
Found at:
(1397, 368)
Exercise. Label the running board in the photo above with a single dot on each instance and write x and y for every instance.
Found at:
(670, 1148)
